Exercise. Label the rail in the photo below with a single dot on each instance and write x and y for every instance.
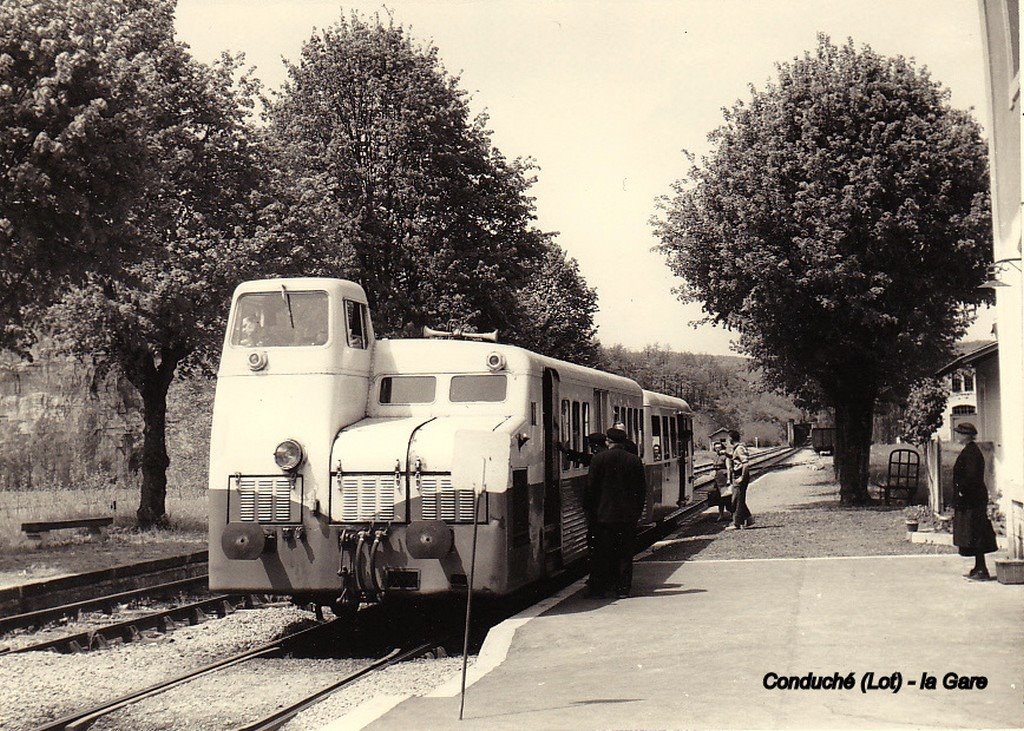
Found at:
(84, 719)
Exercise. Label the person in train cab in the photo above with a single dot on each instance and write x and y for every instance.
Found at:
(596, 442)
(614, 502)
(719, 494)
(630, 444)
(250, 332)
(741, 517)
(973, 534)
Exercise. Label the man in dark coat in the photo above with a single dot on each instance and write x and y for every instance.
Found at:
(629, 443)
(972, 530)
(597, 442)
(614, 502)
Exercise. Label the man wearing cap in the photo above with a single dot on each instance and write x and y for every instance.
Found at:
(972, 531)
(614, 502)
(596, 442)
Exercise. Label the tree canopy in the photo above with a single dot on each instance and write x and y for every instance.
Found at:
(410, 198)
(838, 224)
(71, 155)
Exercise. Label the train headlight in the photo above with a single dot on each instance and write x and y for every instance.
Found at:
(288, 455)
(495, 361)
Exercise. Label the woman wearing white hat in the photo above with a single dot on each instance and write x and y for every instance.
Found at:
(972, 530)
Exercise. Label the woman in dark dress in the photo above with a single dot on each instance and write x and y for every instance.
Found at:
(972, 530)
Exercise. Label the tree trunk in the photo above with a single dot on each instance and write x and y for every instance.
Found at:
(153, 388)
(854, 421)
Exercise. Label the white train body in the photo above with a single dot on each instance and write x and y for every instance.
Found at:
(398, 446)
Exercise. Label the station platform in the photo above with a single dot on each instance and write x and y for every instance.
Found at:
(693, 646)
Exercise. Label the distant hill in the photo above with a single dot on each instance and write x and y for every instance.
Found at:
(721, 390)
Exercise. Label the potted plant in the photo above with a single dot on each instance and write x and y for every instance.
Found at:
(945, 521)
(914, 515)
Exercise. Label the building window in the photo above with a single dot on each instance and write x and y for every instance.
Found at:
(968, 382)
(957, 384)
(963, 410)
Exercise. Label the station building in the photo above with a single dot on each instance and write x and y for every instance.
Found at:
(1003, 377)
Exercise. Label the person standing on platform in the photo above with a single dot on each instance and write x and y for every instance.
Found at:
(596, 442)
(972, 530)
(741, 517)
(614, 502)
(630, 444)
(719, 494)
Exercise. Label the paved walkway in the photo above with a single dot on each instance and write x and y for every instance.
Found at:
(693, 647)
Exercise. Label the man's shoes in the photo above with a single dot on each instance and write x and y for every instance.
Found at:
(982, 575)
(622, 594)
(750, 522)
(732, 527)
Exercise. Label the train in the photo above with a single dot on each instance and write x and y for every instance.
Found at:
(346, 469)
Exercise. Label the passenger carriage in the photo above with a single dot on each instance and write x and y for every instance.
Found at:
(345, 468)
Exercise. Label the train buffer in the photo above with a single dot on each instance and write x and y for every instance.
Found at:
(39, 532)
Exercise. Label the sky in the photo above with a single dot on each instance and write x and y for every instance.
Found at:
(605, 96)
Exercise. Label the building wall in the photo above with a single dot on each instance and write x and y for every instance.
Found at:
(1001, 43)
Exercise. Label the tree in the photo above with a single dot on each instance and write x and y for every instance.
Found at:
(556, 311)
(922, 416)
(411, 198)
(838, 223)
(194, 215)
(70, 156)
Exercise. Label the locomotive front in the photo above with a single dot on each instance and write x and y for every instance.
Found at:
(331, 479)
(294, 370)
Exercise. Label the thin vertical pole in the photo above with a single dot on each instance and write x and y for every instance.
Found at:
(469, 591)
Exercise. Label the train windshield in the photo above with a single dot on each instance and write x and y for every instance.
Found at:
(478, 388)
(283, 318)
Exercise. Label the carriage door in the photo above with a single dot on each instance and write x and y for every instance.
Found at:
(552, 472)
(685, 458)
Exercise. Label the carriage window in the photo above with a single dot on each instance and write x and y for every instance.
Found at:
(407, 389)
(564, 433)
(355, 324)
(576, 426)
(674, 438)
(585, 406)
(283, 318)
(656, 436)
(666, 447)
(478, 388)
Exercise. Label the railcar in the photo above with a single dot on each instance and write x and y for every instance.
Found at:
(347, 469)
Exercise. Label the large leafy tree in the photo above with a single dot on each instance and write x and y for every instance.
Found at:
(71, 157)
(407, 195)
(194, 212)
(838, 223)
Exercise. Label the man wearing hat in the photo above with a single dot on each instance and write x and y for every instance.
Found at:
(630, 444)
(614, 502)
(972, 530)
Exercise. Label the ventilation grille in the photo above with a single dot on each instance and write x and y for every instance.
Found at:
(264, 499)
(367, 498)
(441, 501)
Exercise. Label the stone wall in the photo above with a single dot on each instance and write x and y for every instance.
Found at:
(64, 425)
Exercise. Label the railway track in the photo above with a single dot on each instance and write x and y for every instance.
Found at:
(324, 634)
(133, 628)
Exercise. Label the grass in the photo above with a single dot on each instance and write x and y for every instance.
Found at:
(185, 507)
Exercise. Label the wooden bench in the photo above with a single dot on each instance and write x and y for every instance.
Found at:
(39, 532)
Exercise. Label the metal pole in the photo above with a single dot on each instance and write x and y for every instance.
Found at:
(469, 593)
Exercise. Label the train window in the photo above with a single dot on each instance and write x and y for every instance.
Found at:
(585, 407)
(281, 318)
(533, 413)
(656, 437)
(355, 324)
(674, 437)
(576, 426)
(407, 389)
(564, 431)
(478, 388)
(666, 447)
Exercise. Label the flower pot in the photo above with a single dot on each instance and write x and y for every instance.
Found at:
(1010, 570)
(945, 521)
(911, 526)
